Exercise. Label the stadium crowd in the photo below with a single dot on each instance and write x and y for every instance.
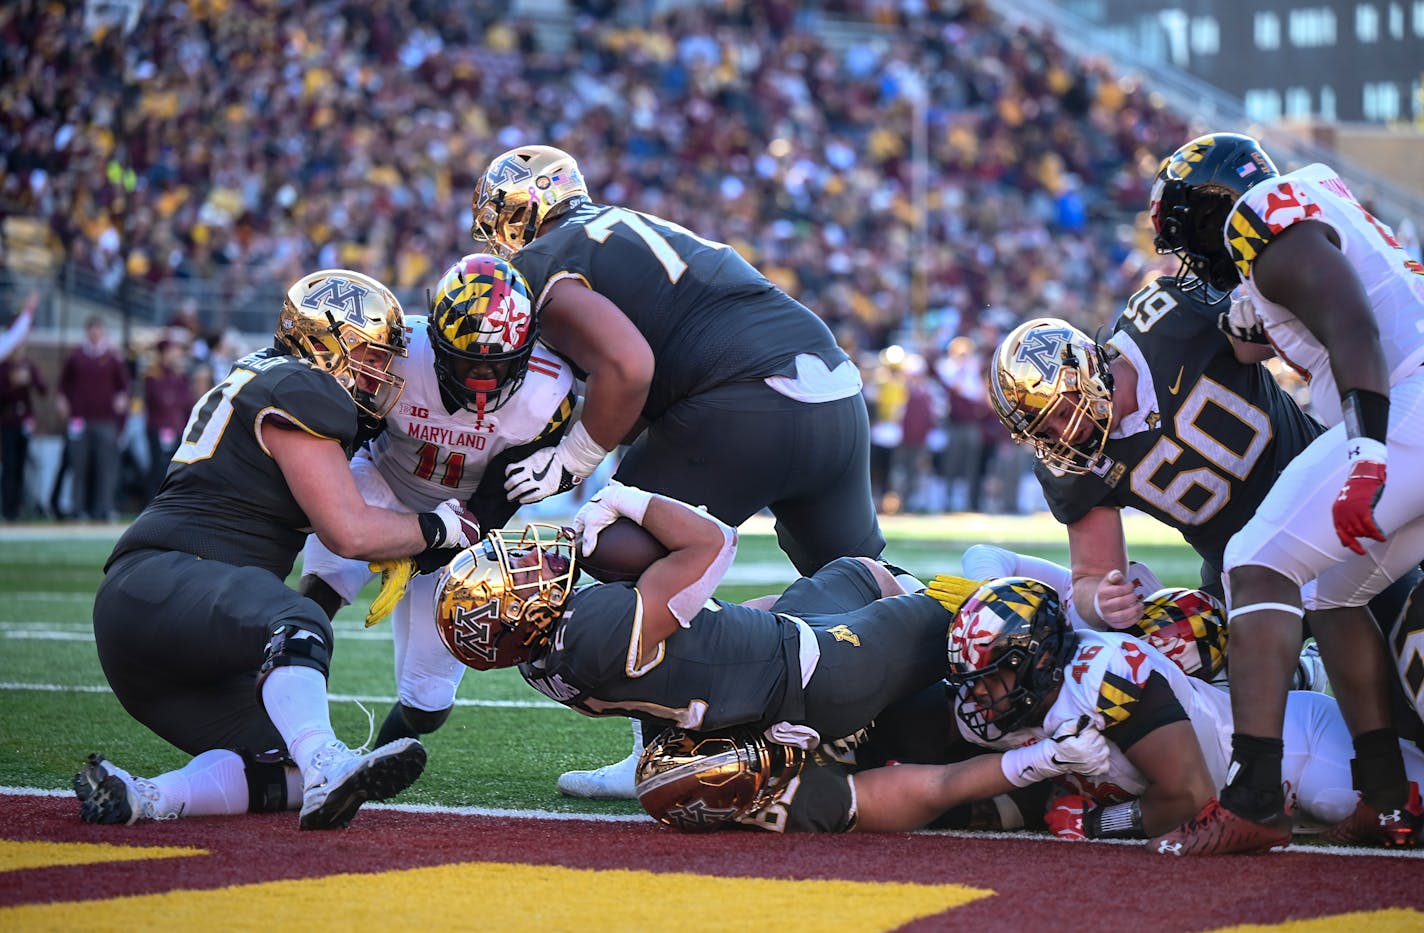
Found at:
(241, 142)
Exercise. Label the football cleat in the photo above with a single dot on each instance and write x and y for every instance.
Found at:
(1218, 831)
(610, 782)
(110, 795)
(340, 780)
(1399, 828)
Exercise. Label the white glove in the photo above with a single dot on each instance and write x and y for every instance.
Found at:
(554, 469)
(610, 503)
(457, 526)
(1241, 322)
(1075, 746)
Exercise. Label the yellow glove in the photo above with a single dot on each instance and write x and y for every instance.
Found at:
(951, 591)
(395, 577)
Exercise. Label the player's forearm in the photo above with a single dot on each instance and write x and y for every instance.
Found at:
(613, 400)
(908, 797)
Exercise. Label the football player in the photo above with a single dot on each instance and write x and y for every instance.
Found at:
(480, 392)
(1339, 300)
(829, 654)
(199, 637)
(738, 395)
(1021, 672)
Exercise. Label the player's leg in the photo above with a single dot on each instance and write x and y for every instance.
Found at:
(219, 782)
(427, 675)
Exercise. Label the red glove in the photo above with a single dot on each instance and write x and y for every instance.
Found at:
(1065, 817)
(1354, 509)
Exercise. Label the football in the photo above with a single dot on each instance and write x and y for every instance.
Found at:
(623, 551)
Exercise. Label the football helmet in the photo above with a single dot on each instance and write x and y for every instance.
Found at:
(521, 189)
(1192, 196)
(699, 782)
(1188, 626)
(1015, 625)
(482, 330)
(1036, 369)
(496, 601)
(350, 326)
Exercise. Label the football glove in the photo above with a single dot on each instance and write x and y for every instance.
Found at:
(554, 470)
(1074, 746)
(449, 525)
(395, 578)
(1354, 509)
(1065, 817)
(1241, 322)
(950, 591)
(612, 502)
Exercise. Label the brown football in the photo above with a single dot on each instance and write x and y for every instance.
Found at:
(623, 551)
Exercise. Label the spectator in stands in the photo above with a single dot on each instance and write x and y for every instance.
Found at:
(93, 402)
(167, 401)
(20, 383)
(961, 372)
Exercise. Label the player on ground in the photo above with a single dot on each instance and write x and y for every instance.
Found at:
(480, 392)
(738, 395)
(1338, 299)
(199, 637)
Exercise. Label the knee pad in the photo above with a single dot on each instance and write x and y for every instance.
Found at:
(423, 721)
(266, 780)
(304, 645)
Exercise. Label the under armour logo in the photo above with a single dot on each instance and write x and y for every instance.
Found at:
(1043, 350)
(1392, 816)
(1169, 848)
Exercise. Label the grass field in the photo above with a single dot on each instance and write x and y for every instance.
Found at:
(505, 744)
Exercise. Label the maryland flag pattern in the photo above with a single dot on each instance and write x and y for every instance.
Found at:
(482, 306)
(1246, 235)
(1116, 698)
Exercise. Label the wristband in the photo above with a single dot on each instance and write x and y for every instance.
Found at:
(1118, 821)
(432, 528)
(580, 451)
(1366, 415)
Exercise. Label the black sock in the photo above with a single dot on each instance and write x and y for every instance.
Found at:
(1378, 769)
(1253, 787)
(395, 727)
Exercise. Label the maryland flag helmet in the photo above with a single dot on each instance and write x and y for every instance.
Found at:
(1044, 366)
(1188, 626)
(1015, 625)
(1193, 195)
(521, 189)
(350, 326)
(482, 330)
(699, 782)
(497, 600)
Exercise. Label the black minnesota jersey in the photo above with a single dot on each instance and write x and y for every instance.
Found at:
(224, 497)
(1210, 436)
(708, 315)
(732, 666)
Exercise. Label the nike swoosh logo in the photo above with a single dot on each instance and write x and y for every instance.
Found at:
(540, 474)
(1177, 386)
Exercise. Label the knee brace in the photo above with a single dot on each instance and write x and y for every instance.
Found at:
(266, 780)
(293, 644)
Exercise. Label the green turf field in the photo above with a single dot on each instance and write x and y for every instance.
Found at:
(504, 745)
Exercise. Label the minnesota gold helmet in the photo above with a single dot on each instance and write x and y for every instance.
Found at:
(496, 601)
(698, 782)
(351, 326)
(482, 330)
(1188, 626)
(521, 189)
(1046, 368)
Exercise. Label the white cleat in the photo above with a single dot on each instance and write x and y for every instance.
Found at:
(610, 782)
(341, 780)
(109, 794)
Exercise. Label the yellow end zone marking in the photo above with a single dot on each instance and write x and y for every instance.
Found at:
(491, 896)
(15, 855)
(1389, 920)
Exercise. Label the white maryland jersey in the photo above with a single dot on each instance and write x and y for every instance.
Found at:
(428, 455)
(1104, 681)
(1393, 281)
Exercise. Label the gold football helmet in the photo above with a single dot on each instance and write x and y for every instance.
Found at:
(497, 600)
(351, 326)
(699, 782)
(521, 189)
(1045, 365)
(1188, 626)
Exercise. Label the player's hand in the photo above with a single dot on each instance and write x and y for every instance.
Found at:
(1117, 601)
(612, 502)
(1065, 817)
(1354, 508)
(1074, 746)
(553, 470)
(950, 591)
(457, 526)
(395, 578)
(1241, 322)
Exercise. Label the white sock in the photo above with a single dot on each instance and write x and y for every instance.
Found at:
(295, 699)
(211, 784)
(637, 737)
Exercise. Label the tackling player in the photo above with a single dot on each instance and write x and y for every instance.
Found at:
(480, 392)
(199, 637)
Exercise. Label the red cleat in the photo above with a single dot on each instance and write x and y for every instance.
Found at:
(1218, 831)
(1399, 828)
